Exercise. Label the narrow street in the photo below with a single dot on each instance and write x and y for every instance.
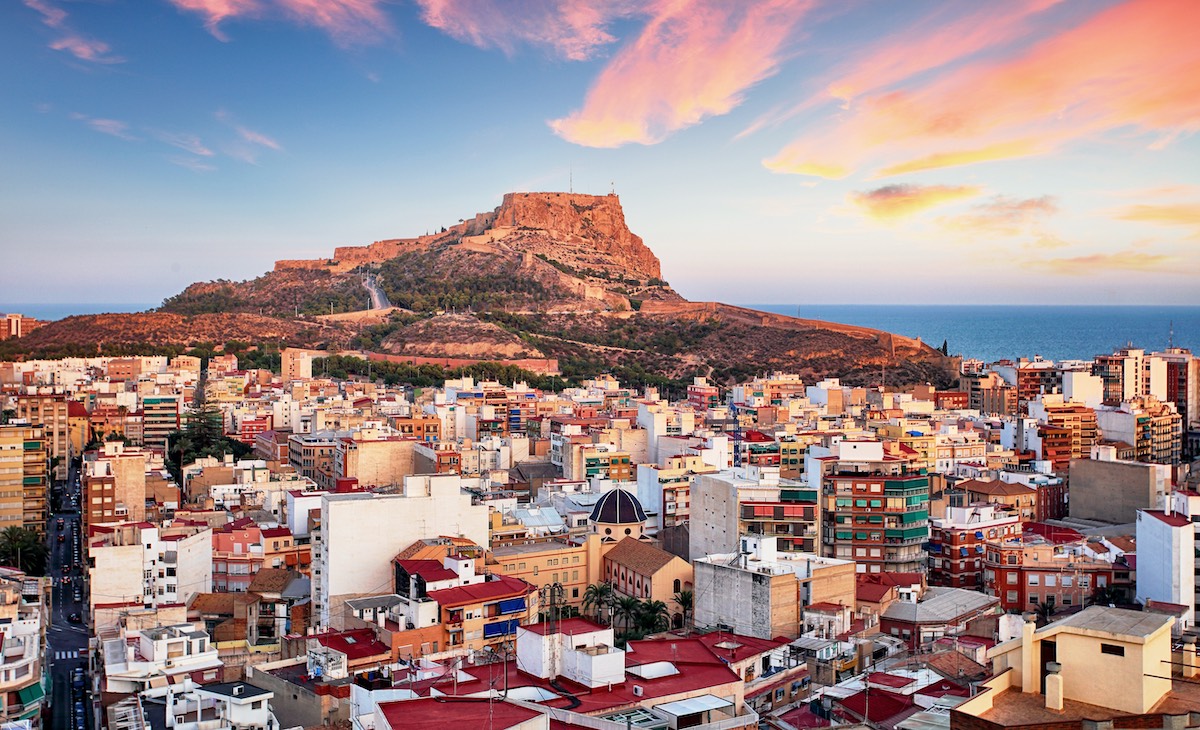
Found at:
(67, 639)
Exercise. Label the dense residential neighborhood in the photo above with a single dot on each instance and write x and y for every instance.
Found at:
(242, 548)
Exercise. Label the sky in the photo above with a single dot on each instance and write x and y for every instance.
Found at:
(776, 151)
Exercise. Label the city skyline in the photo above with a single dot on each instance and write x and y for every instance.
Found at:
(1035, 152)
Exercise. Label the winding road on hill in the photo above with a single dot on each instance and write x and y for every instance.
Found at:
(379, 300)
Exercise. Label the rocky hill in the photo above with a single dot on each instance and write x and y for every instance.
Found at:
(553, 274)
(154, 331)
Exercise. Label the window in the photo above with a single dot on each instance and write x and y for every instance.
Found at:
(1112, 649)
(1011, 596)
(1049, 581)
(1011, 578)
(1033, 579)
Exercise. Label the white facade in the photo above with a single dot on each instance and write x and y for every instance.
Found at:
(137, 565)
(1083, 388)
(361, 533)
(1167, 570)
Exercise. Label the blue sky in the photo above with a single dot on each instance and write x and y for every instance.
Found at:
(782, 151)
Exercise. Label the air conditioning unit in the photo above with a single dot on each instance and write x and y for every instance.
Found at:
(638, 691)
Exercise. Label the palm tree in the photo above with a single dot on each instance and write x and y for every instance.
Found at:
(1102, 596)
(686, 601)
(627, 607)
(597, 596)
(653, 616)
(23, 549)
(1045, 610)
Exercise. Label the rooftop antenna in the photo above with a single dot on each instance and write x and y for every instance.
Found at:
(1171, 334)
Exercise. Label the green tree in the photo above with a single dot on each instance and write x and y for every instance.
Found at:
(597, 596)
(627, 609)
(945, 348)
(1045, 610)
(203, 434)
(653, 616)
(24, 549)
(687, 603)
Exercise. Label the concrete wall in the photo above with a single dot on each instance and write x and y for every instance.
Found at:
(361, 533)
(1111, 491)
(295, 705)
(1167, 570)
(737, 598)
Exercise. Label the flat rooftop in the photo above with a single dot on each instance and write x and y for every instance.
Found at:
(1118, 621)
(1013, 707)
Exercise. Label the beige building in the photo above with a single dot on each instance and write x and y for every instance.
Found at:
(114, 485)
(23, 477)
(1110, 490)
(761, 592)
(638, 569)
(1096, 665)
(374, 457)
(50, 411)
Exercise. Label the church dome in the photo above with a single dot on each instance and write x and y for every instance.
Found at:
(618, 507)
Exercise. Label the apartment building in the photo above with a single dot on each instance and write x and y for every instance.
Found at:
(52, 413)
(1154, 428)
(24, 620)
(135, 564)
(114, 484)
(957, 542)
(873, 510)
(24, 466)
(761, 591)
(752, 500)
(1042, 567)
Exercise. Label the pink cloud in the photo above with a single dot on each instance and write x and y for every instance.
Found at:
(694, 59)
(184, 141)
(1134, 66)
(51, 16)
(1005, 216)
(86, 49)
(113, 127)
(575, 30)
(1127, 260)
(78, 45)
(346, 21)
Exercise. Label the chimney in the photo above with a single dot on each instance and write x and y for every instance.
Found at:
(1191, 662)
(1029, 678)
(1054, 687)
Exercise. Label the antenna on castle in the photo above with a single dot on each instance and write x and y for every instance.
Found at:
(612, 188)
(571, 179)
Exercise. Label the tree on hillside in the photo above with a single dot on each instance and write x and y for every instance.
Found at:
(23, 549)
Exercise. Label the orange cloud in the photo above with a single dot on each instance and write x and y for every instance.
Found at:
(1133, 66)
(1178, 214)
(694, 59)
(916, 50)
(1128, 260)
(346, 21)
(1004, 216)
(575, 30)
(892, 202)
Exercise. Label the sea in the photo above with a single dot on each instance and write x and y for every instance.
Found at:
(989, 333)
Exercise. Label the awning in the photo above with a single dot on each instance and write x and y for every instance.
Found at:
(694, 705)
(31, 694)
(979, 534)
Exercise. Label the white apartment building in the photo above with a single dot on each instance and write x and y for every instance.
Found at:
(362, 531)
(133, 564)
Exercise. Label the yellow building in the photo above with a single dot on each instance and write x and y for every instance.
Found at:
(638, 569)
(50, 412)
(23, 477)
(1097, 664)
(545, 562)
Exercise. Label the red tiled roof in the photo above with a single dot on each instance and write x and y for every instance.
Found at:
(747, 645)
(430, 570)
(1053, 533)
(1171, 519)
(570, 627)
(823, 606)
(434, 713)
(882, 704)
(493, 590)
(276, 532)
(75, 409)
(357, 644)
(895, 681)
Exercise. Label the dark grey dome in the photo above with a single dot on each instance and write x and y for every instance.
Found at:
(618, 507)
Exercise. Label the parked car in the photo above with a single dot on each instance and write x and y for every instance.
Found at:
(75, 618)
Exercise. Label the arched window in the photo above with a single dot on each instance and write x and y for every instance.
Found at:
(677, 585)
